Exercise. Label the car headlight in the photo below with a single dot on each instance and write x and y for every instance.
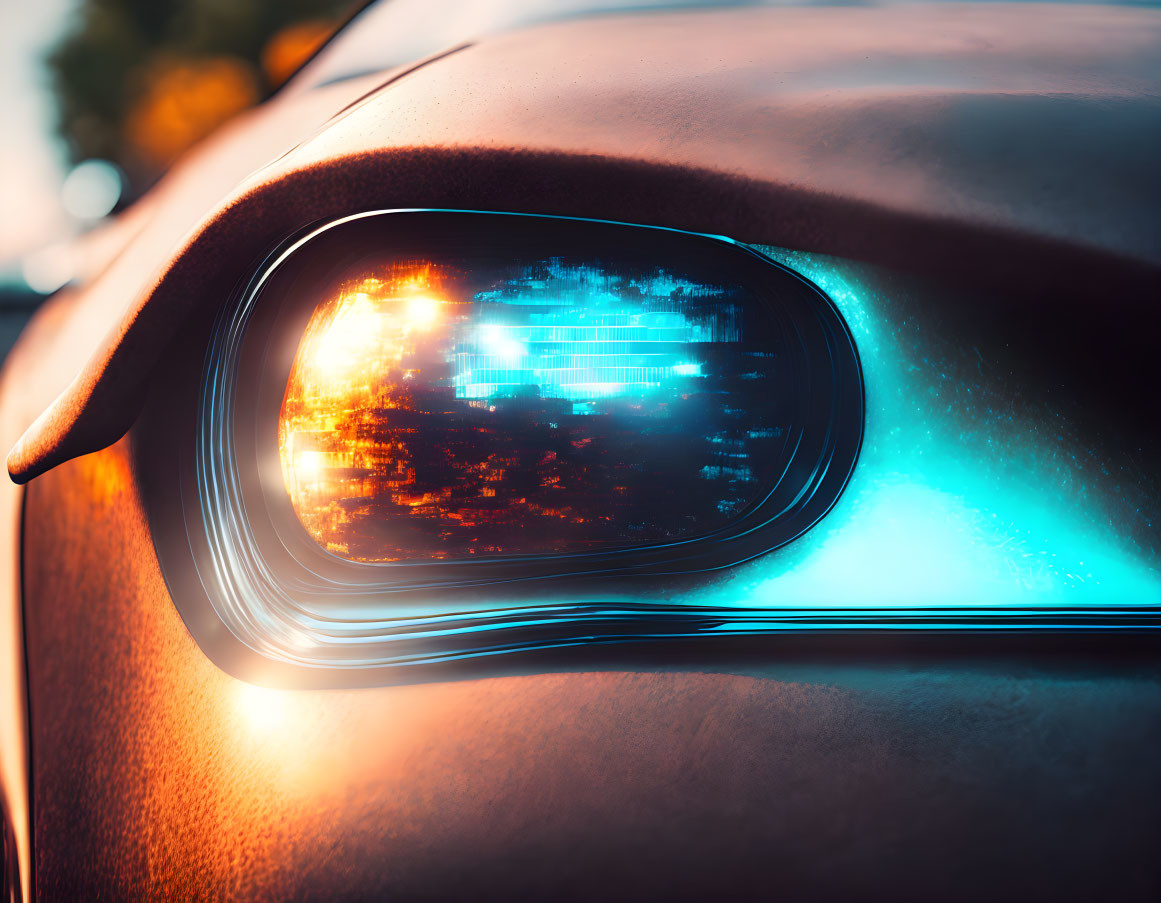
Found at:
(428, 436)
(414, 415)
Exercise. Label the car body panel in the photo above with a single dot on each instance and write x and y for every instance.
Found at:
(853, 775)
(861, 772)
(899, 170)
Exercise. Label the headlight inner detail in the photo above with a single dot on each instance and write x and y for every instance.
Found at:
(424, 435)
(540, 408)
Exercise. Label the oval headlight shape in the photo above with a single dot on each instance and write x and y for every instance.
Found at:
(412, 414)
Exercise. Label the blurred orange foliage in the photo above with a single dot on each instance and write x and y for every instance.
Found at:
(291, 47)
(183, 100)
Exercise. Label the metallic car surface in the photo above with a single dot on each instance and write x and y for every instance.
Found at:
(893, 166)
(886, 770)
(840, 775)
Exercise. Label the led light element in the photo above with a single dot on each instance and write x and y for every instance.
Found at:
(540, 408)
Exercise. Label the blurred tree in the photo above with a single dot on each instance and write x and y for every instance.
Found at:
(139, 81)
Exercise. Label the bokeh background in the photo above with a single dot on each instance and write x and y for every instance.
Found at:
(98, 97)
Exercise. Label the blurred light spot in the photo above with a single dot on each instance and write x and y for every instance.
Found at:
(92, 189)
(308, 465)
(49, 268)
(496, 341)
(183, 101)
(291, 47)
(422, 312)
(261, 709)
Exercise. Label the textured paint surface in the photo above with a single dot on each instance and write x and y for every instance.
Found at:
(157, 775)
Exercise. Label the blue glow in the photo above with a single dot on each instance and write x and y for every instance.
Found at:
(581, 333)
(957, 500)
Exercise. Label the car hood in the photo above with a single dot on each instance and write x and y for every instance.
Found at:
(1012, 142)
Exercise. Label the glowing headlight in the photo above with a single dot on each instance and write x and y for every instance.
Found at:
(420, 430)
(424, 437)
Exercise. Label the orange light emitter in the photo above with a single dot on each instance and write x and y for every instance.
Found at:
(359, 350)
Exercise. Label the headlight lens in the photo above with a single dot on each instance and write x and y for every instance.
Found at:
(423, 437)
(419, 431)
(437, 411)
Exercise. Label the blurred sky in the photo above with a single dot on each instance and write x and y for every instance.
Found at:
(32, 158)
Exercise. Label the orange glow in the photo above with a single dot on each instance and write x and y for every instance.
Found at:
(262, 710)
(360, 350)
(433, 412)
(183, 101)
(291, 47)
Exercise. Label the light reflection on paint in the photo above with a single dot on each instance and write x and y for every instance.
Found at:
(263, 712)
